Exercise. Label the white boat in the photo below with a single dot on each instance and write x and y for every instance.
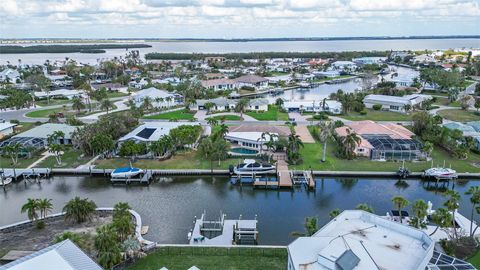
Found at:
(250, 167)
(441, 173)
(126, 172)
(5, 181)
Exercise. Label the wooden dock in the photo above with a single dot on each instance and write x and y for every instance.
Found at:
(265, 184)
(283, 174)
(311, 180)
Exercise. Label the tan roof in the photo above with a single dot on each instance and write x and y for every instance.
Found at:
(371, 128)
(280, 130)
(212, 83)
(250, 79)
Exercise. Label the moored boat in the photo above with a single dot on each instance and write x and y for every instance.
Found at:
(126, 172)
(250, 167)
(5, 181)
(440, 173)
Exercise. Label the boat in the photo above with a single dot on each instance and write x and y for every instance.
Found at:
(126, 172)
(440, 173)
(251, 167)
(304, 84)
(6, 181)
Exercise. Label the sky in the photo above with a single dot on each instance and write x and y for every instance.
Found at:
(236, 18)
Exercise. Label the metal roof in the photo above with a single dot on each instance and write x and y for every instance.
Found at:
(45, 130)
(64, 255)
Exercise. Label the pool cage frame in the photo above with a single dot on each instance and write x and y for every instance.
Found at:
(387, 148)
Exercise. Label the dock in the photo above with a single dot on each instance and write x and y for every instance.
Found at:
(143, 179)
(26, 174)
(283, 174)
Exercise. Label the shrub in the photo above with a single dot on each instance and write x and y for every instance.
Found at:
(40, 225)
(363, 112)
(377, 107)
(320, 116)
(338, 124)
(14, 121)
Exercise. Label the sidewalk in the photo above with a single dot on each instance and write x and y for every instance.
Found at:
(45, 155)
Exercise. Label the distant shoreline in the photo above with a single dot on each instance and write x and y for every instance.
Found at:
(123, 40)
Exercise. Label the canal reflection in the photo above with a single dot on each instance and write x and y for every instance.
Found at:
(169, 204)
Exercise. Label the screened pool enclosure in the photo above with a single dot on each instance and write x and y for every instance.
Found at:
(387, 148)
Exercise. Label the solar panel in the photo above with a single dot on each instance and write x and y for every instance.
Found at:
(146, 133)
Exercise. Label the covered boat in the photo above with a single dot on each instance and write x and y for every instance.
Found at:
(440, 173)
(126, 172)
(250, 167)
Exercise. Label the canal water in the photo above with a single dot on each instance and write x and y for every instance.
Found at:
(169, 204)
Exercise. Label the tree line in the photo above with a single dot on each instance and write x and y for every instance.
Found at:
(95, 48)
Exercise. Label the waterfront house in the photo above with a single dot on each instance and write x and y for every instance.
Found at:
(253, 81)
(10, 75)
(399, 55)
(138, 84)
(64, 255)
(275, 80)
(224, 104)
(158, 98)
(258, 104)
(330, 106)
(250, 136)
(369, 60)
(151, 132)
(37, 137)
(382, 141)
(344, 66)
(6, 128)
(358, 240)
(326, 74)
(219, 84)
(395, 103)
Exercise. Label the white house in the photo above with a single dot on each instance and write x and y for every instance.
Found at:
(326, 74)
(159, 98)
(138, 85)
(6, 128)
(344, 66)
(357, 240)
(394, 103)
(64, 255)
(369, 60)
(10, 75)
(224, 104)
(220, 84)
(254, 81)
(331, 106)
(250, 140)
(63, 93)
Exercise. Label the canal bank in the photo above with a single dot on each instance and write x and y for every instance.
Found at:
(169, 204)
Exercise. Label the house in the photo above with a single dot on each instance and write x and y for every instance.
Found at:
(250, 136)
(399, 55)
(330, 106)
(395, 103)
(138, 84)
(64, 255)
(61, 93)
(424, 59)
(466, 129)
(151, 131)
(358, 240)
(37, 137)
(9, 75)
(6, 128)
(158, 98)
(369, 60)
(258, 104)
(326, 74)
(219, 104)
(219, 84)
(382, 141)
(169, 80)
(344, 66)
(252, 81)
(277, 79)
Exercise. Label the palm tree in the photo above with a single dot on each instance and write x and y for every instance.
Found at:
(427, 148)
(350, 142)
(77, 104)
(45, 206)
(121, 209)
(106, 105)
(293, 147)
(13, 150)
(310, 225)
(147, 103)
(212, 121)
(325, 133)
(442, 217)
(108, 247)
(365, 207)
(55, 147)
(209, 106)
(419, 208)
(400, 203)
(79, 210)
(452, 205)
(31, 207)
(474, 191)
(334, 213)
(242, 104)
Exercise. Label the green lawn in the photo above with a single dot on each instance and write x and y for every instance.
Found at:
(6, 162)
(459, 115)
(66, 112)
(182, 258)
(115, 94)
(44, 113)
(181, 160)
(312, 155)
(377, 116)
(53, 102)
(475, 259)
(446, 102)
(182, 114)
(70, 159)
(273, 114)
(229, 117)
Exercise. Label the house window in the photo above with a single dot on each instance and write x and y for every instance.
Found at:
(395, 108)
(256, 107)
(360, 150)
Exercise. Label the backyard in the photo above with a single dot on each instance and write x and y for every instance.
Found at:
(273, 114)
(377, 116)
(214, 258)
(459, 115)
(71, 158)
(475, 259)
(182, 114)
(312, 155)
